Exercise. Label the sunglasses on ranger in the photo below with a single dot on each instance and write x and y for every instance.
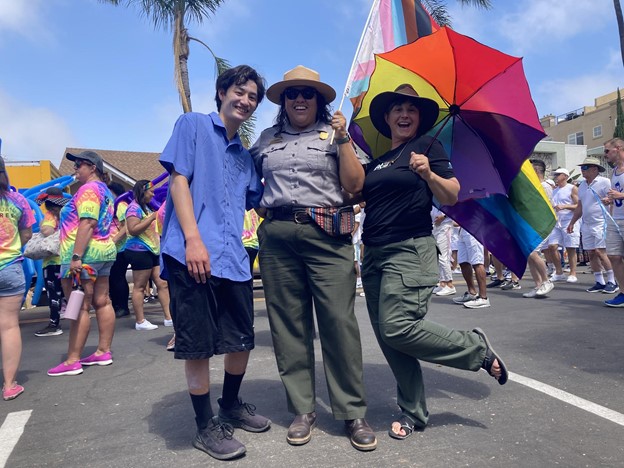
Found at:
(292, 93)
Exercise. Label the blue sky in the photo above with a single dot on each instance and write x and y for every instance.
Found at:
(80, 73)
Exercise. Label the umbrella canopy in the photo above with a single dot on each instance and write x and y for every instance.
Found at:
(488, 123)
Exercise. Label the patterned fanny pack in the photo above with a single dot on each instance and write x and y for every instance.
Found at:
(335, 221)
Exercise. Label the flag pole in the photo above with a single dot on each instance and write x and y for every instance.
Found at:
(353, 64)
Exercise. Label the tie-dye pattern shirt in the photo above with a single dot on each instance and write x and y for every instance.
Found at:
(93, 201)
(50, 220)
(148, 240)
(118, 220)
(15, 215)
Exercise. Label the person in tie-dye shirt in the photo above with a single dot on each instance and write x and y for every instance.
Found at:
(119, 290)
(54, 201)
(88, 252)
(142, 251)
(16, 219)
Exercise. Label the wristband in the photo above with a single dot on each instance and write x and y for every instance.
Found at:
(342, 141)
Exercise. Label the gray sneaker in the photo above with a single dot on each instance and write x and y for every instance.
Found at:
(465, 298)
(217, 441)
(243, 415)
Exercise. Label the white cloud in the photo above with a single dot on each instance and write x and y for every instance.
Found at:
(536, 22)
(30, 133)
(564, 95)
(24, 18)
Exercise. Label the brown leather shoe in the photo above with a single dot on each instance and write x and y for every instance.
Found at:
(300, 430)
(361, 435)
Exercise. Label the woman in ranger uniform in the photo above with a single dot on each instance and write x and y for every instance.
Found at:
(305, 258)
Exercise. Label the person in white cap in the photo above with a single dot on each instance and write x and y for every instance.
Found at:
(564, 200)
(593, 213)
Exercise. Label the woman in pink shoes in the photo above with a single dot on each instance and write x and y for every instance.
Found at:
(88, 252)
(16, 219)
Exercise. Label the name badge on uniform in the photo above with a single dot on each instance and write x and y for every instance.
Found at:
(323, 135)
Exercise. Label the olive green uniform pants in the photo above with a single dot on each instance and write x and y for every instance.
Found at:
(301, 267)
(398, 280)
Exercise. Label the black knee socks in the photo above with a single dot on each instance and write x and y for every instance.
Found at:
(203, 410)
(231, 387)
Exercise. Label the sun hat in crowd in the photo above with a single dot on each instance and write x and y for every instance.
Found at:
(429, 109)
(590, 161)
(300, 76)
(89, 156)
(561, 170)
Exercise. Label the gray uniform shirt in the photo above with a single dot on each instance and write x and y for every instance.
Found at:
(300, 168)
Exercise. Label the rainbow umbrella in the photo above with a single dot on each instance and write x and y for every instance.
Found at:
(488, 123)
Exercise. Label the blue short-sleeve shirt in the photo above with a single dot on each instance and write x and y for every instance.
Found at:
(223, 183)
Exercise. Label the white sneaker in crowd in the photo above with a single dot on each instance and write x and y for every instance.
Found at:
(545, 288)
(358, 283)
(531, 293)
(572, 279)
(437, 289)
(478, 303)
(168, 323)
(145, 325)
(555, 277)
(446, 291)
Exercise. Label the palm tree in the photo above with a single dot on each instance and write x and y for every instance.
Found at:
(620, 23)
(438, 11)
(173, 15)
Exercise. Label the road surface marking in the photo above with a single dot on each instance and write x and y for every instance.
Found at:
(566, 397)
(10, 433)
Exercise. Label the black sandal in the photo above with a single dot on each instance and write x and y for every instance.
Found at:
(490, 357)
(406, 424)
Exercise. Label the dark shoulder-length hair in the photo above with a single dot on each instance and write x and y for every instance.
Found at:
(323, 112)
(139, 190)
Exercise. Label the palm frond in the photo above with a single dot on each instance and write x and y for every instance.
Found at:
(161, 12)
(438, 11)
(247, 131)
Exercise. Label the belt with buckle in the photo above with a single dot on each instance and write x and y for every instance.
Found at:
(289, 213)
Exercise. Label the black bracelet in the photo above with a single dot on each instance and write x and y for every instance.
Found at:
(342, 141)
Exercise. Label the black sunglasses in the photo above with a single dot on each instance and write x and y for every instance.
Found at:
(77, 164)
(293, 93)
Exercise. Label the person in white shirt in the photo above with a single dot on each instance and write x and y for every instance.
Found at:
(536, 265)
(564, 200)
(591, 210)
(442, 230)
(614, 152)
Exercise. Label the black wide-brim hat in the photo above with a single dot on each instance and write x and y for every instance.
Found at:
(380, 105)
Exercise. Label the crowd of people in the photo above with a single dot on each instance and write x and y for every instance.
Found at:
(316, 205)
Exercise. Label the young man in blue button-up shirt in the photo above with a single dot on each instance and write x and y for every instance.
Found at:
(212, 182)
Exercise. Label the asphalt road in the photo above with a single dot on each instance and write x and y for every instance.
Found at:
(563, 405)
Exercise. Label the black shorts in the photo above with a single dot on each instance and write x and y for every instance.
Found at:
(211, 318)
(141, 259)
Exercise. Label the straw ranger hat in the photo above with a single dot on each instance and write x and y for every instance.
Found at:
(300, 76)
(589, 161)
(429, 109)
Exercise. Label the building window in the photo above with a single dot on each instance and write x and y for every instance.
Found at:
(598, 131)
(576, 139)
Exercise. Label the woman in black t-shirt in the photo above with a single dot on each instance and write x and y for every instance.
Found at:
(400, 267)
